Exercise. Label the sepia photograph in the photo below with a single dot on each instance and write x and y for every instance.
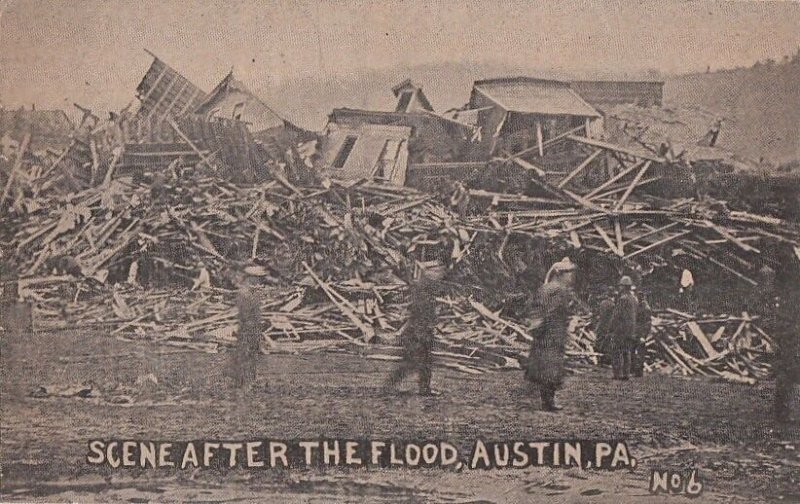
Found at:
(423, 251)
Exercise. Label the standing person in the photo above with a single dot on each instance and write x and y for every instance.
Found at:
(623, 329)
(602, 324)
(242, 365)
(417, 336)
(546, 359)
(644, 321)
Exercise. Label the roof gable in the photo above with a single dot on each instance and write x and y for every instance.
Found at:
(414, 101)
(231, 99)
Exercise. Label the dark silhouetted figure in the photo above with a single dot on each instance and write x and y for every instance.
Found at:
(417, 337)
(602, 325)
(644, 321)
(242, 366)
(623, 329)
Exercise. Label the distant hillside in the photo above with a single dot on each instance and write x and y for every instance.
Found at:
(308, 100)
(760, 106)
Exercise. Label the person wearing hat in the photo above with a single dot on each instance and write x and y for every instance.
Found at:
(545, 365)
(242, 365)
(417, 335)
(623, 329)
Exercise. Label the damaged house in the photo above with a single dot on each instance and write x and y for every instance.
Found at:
(367, 151)
(430, 137)
(231, 99)
(517, 113)
(176, 121)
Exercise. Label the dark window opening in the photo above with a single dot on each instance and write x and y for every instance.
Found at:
(344, 152)
(237, 111)
(405, 99)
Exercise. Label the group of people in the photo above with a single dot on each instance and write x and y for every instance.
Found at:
(622, 323)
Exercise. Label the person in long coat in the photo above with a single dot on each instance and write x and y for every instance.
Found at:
(417, 336)
(242, 365)
(623, 329)
(545, 365)
(602, 325)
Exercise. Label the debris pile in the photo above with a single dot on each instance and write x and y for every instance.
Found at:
(471, 337)
(139, 225)
(338, 260)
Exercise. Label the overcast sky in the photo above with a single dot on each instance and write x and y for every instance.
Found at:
(57, 52)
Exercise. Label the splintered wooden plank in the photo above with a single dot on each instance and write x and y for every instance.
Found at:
(620, 241)
(607, 239)
(613, 179)
(529, 166)
(701, 337)
(623, 187)
(657, 244)
(731, 270)
(651, 233)
(344, 306)
(718, 334)
(615, 148)
(586, 162)
(494, 317)
(728, 236)
(632, 186)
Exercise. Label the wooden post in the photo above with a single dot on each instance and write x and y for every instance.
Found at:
(539, 138)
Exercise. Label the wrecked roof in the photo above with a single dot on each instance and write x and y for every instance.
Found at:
(164, 92)
(683, 129)
(535, 96)
(367, 151)
(231, 99)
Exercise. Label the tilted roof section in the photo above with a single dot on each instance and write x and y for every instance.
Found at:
(164, 92)
(232, 98)
(535, 96)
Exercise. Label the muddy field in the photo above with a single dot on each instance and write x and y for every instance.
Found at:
(144, 391)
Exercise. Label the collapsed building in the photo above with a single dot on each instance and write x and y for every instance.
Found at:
(176, 121)
(430, 137)
(339, 248)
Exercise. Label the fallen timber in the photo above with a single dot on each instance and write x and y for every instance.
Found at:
(339, 255)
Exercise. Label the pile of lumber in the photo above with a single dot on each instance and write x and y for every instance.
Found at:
(340, 254)
(730, 347)
(181, 226)
(366, 318)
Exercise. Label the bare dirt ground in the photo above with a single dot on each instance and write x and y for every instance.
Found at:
(724, 430)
